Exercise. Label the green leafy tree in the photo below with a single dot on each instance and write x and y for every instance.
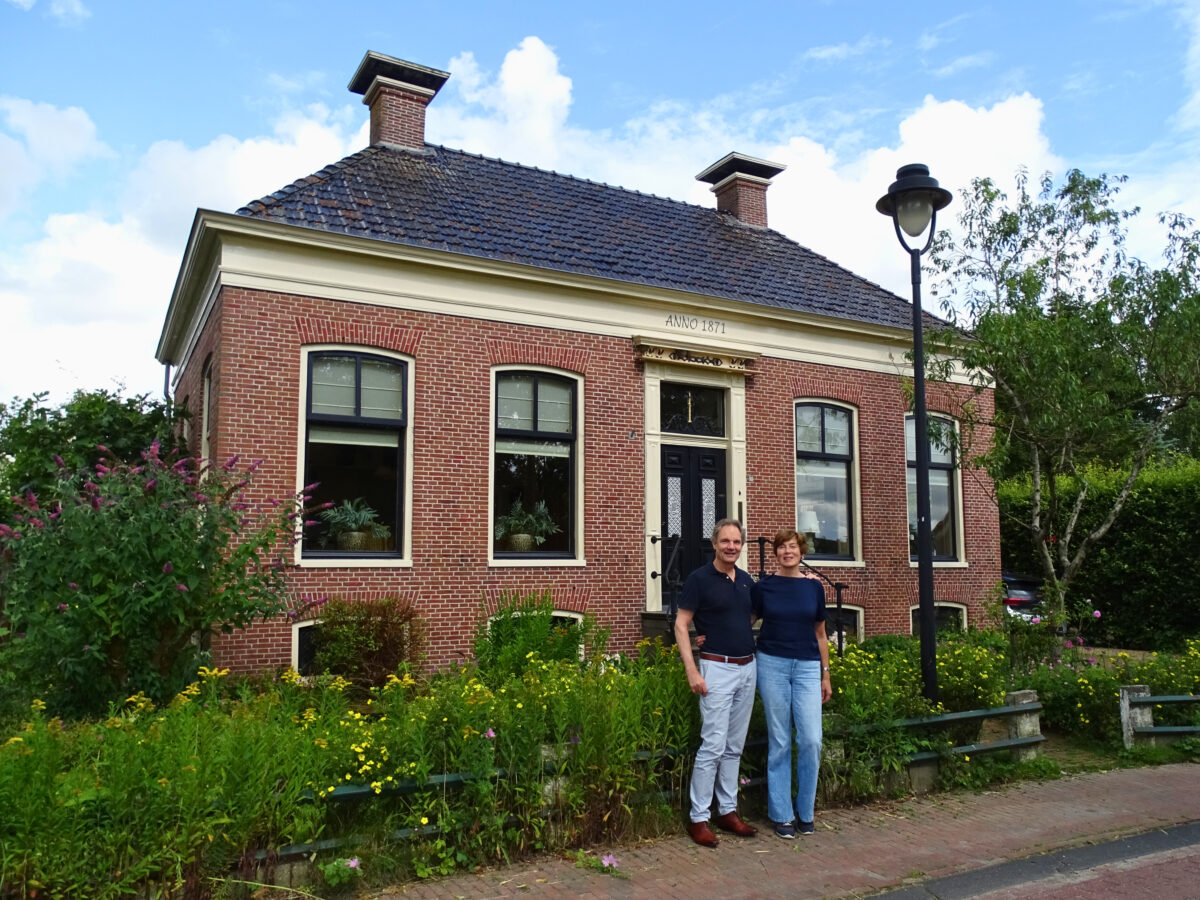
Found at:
(33, 434)
(1092, 355)
(116, 587)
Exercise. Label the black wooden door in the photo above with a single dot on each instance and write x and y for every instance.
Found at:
(693, 500)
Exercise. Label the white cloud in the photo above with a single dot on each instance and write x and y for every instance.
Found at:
(23, 4)
(42, 141)
(1189, 15)
(962, 63)
(84, 302)
(69, 12)
(838, 52)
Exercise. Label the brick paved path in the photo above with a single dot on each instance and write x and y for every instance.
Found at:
(862, 850)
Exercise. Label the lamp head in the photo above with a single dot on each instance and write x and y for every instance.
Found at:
(913, 198)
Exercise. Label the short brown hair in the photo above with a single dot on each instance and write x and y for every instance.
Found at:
(783, 535)
(725, 523)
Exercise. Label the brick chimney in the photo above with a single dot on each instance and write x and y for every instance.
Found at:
(397, 93)
(740, 183)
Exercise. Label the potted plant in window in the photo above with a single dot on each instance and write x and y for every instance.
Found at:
(525, 529)
(352, 522)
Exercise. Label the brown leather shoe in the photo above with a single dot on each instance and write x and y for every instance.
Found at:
(731, 821)
(702, 834)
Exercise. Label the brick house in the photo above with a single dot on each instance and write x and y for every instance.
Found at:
(454, 340)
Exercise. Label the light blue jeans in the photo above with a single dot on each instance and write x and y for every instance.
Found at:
(791, 696)
(724, 718)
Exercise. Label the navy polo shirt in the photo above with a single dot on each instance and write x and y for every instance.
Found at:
(722, 609)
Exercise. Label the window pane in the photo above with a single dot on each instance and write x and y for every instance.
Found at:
(939, 443)
(333, 385)
(823, 505)
(837, 431)
(532, 499)
(941, 511)
(514, 402)
(349, 470)
(554, 406)
(945, 618)
(691, 409)
(808, 429)
(382, 390)
(847, 623)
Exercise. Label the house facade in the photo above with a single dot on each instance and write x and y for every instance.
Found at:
(537, 382)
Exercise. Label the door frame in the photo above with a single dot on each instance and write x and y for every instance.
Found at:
(734, 445)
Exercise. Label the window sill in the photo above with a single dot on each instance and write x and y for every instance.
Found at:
(819, 562)
(356, 562)
(541, 562)
(942, 564)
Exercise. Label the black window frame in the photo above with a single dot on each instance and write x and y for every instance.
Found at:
(825, 456)
(399, 424)
(535, 434)
(952, 484)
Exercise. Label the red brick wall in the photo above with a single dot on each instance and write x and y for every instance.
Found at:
(257, 376)
(746, 199)
(398, 116)
(262, 336)
(887, 586)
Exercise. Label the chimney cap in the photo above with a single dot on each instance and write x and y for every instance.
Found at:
(375, 65)
(739, 164)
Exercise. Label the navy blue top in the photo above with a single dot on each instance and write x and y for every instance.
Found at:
(722, 609)
(789, 608)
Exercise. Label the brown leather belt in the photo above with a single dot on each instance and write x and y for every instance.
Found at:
(732, 660)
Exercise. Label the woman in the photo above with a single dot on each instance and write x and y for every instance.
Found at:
(793, 681)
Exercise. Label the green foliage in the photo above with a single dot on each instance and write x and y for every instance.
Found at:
(354, 515)
(340, 871)
(1142, 576)
(1090, 354)
(526, 625)
(1080, 694)
(365, 641)
(116, 588)
(536, 522)
(31, 434)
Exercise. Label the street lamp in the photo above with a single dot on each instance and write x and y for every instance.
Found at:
(912, 203)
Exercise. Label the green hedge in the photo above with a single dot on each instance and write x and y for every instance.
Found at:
(1144, 576)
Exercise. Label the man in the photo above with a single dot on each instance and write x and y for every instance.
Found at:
(717, 598)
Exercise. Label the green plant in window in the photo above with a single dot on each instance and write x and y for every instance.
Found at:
(526, 529)
(351, 522)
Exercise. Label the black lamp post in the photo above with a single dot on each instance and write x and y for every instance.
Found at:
(912, 203)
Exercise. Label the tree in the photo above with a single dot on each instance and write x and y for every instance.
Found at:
(32, 434)
(1092, 355)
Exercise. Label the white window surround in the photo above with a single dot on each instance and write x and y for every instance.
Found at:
(960, 608)
(297, 627)
(857, 561)
(580, 558)
(404, 560)
(861, 615)
(205, 407)
(960, 544)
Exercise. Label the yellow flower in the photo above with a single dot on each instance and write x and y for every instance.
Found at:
(37, 705)
(424, 820)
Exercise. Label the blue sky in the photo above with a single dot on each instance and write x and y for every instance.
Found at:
(118, 119)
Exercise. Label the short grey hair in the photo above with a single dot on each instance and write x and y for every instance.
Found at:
(723, 523)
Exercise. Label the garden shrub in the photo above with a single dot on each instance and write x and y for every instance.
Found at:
(1142, 575)
(115, 589)
(525, 625)
(365, 641)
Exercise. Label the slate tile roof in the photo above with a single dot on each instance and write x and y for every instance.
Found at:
(449, 200)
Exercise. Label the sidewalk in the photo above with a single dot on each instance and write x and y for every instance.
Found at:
(866, 849)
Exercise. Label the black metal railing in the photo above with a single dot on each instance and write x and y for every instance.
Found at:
(671, 580)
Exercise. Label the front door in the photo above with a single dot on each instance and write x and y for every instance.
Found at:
(693, 500)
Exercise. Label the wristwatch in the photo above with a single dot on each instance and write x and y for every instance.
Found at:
(824, 668)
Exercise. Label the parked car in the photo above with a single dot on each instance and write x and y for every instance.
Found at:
(1022, 595)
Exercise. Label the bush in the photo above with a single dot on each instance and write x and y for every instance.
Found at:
(1142, 576)
(365, 641)
(526, 625)
(115, 589)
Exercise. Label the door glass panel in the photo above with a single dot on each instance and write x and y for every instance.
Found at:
(708, 506)
(674, 506)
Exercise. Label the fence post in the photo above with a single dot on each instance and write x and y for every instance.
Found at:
(1134, 716)
(1023, 724)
